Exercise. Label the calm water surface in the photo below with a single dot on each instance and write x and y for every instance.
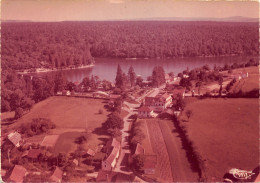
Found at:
(106, 68)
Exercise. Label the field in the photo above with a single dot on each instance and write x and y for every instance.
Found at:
(247, 84)
(226, 134)
(69, 112)
(72, 116)
(164, 170)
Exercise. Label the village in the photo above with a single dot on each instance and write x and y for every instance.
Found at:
(136, 149)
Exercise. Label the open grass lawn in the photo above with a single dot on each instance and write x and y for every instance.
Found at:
(247, 84)
(226, 134)
(69, 112)
(72, 116)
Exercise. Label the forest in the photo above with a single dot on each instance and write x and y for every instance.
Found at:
(27, 45)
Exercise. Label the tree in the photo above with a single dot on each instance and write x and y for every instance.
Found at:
(114, 132)
(60, 82)
(119, 77)
(185, 82)
(86, 83)
(220, 82)
(139, 81)
(118, 105)
(189, 113)
(138, 162)
(158, 76)
(114, 121)
(179, 103)
(198, 84)
(18, 113)
(131, 76)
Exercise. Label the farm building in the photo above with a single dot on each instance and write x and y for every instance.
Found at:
(15, 138)
(56, 175)
(33, 154)
(50, 140)
(16, 174)
(112, 149)
(150, 164)
(158, 103)
(90, 152)
(145, 112)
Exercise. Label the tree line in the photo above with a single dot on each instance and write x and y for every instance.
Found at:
(63, 44)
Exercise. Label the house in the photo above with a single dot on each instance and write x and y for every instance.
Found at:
(56, 175)
(76, 162)
(150, 164)
(112, 149)
(158, 103)
(145, 112)
(90, 152)
(139, 149)
(59, 93)
(66, 93)
(33, 154)
(15, 138)
(16, 174)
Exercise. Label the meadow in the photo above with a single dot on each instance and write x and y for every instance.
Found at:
(225, 132)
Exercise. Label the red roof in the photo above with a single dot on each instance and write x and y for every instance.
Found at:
(112, 146)
(56, 175)
(15, 138)
(144, 109)
(151, 100)
(150, 162)
(18, 173)
(139, 149)
(34, 153)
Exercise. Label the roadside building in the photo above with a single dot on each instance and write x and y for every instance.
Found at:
(66, 93)
(112, 150)
(89, 152)
(145, 112)
(33, 154)
(16, 174)
(56, 175)
(15, 138)
(158, 103)
(150, 164)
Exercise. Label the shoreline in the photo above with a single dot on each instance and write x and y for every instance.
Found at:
(43, 70)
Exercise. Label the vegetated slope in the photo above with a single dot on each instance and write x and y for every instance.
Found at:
(61, 44)
(226, 134)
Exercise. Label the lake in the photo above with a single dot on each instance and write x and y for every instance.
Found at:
(106, 68)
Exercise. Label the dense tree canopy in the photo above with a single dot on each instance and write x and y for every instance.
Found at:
(63, 44)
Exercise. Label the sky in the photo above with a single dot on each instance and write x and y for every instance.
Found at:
(64, 10)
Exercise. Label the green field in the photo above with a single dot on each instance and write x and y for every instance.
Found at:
(69, 112)
(72, 116)
(247, 84)
(226, 134)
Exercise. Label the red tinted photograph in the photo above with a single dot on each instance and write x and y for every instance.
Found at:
(129, 91)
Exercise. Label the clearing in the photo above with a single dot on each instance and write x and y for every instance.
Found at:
(72, 116)
(225, 132)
